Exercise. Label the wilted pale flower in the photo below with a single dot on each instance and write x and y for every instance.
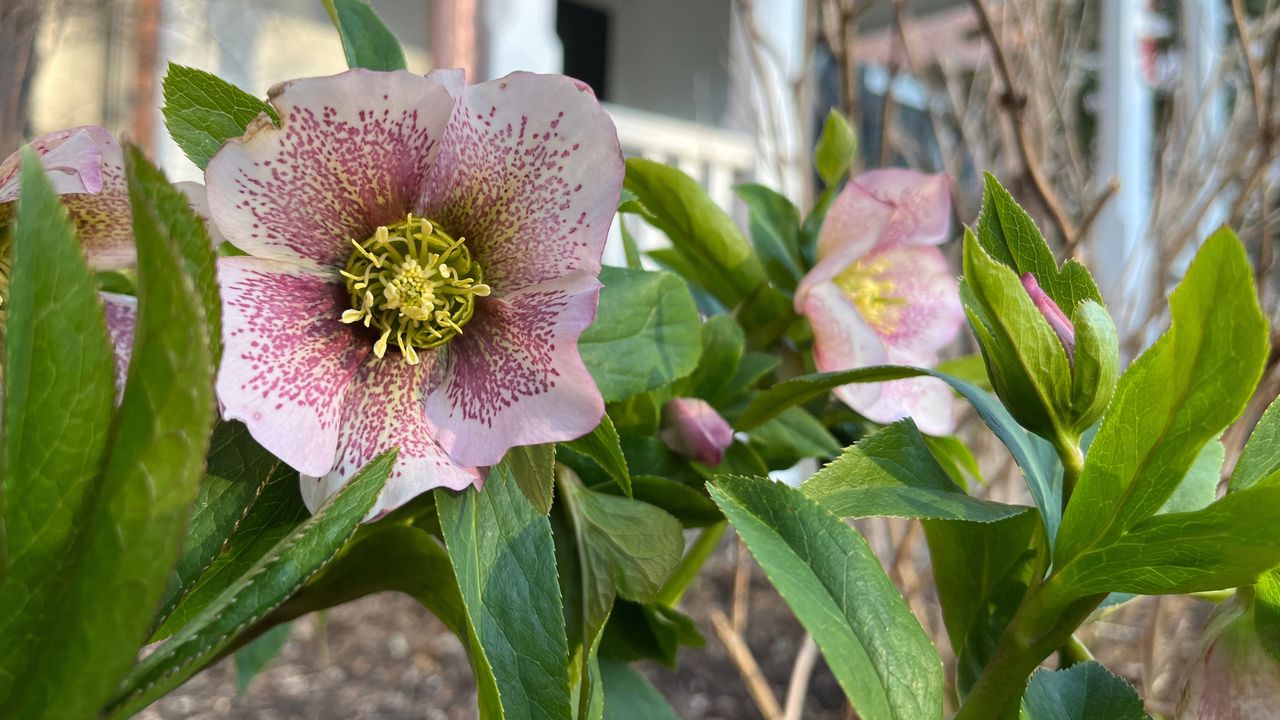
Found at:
(882, 293)
(692, 428)
(85, 165)
(423, 256)
(1234, 677)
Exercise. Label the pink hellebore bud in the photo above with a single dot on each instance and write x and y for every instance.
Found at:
(422, 256)
(695, 430)
(1060, 323)
(883, 293)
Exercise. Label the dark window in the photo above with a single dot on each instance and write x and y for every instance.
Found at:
(584, 32)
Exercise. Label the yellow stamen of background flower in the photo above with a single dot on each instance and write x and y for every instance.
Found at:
(872, 291)
(414, 283)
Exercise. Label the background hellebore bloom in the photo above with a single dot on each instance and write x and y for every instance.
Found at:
(86, 168)
(422, 257)
(881, 292)
(1234, 677)
(692, 428)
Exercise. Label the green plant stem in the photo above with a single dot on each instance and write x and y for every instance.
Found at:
(1072, 459)
(691, 563)
(1041, 626)
(1073, 652)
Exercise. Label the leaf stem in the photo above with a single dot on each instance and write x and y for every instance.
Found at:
(1072, 459)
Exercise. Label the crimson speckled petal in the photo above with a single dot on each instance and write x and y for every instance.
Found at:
(382, 410)
(529, 172)
(287, 360)
(86, 167)
(351, 153)
(514, 375)
(122, 323)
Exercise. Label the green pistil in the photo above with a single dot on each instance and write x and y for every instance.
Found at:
(415, 284)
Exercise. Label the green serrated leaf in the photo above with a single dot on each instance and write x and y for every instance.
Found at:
(1199, 486)
(366, 40)
(646, 333)
(235, 474)
(836, 146)
(603, 446)
(57, 410)
(722, 348)
(277, 510)
(774, 222)
(792, 435)
(264, 586)
(533, 468)
(834, 584)
(504, 560)
(891, 473)
(648, 632)
(690, 506)
(202, 111)
(1010, 236)
(130, 540)
(982, 572)
(1087, 691)
(629, 696)
(1177, 396)
(1260, 459)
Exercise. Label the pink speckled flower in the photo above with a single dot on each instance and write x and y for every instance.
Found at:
(881, 292)
(1234, 677)
(422, 257)
(692, 428)
(86, 168)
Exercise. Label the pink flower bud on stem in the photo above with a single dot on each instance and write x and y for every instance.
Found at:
(1060, 323)
(692, 428)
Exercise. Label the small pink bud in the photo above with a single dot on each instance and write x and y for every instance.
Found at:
(692, 428)
(1060, 323)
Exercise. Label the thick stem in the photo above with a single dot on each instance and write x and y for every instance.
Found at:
(1024, 645)
(1072, 459)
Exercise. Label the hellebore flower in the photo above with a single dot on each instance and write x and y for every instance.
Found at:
(881, 292)
(692, 428)
(422, 257)
(86, 168)
(1234, 677)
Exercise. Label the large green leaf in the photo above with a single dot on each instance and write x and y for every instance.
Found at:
(1010, 236)
(131, 538)
(628, 695)
(775, 232)
(366, 40)
(982, 572)
(1199, 486)
(722, 350)
(645, 335)
(504, 560)
(1087, 691)
(623, 547)
(1177, 396)
(603, 446)
(1034, 456)
(235, 474)
(1227, 544)
(533, 467)
(254, 657)
(277, 510)
(57, 411)
(202, 111)
(792, 435)
(834, 584)
(263, 587)
(892, 473)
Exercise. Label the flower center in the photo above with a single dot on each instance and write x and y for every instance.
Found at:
(414, 283)
(873, 293)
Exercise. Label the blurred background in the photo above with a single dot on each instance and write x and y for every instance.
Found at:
(1130, 129)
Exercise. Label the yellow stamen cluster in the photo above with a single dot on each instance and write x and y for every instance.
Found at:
(873, 293)
(413, 283)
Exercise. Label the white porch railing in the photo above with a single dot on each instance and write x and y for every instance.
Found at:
(717, 158)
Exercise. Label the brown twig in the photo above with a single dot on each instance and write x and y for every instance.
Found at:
(1069, 248)
(1014, 103)
(801, 671)
(747, 666)
(741, 588)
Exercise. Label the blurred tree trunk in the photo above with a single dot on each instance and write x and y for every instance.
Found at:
(19, 20)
